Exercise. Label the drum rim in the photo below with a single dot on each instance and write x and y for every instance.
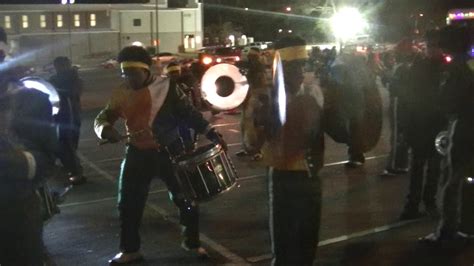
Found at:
(218, 194)
(212, 152)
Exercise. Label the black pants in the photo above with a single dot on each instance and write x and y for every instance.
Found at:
(295, 215)
(68, 144)
(21, 229)
(460, 161)
(355, 142)
(138, 169)
(398, 156)
(432, 163)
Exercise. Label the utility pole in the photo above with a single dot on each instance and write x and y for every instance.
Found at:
(157, 33)
(202, 23)
(69, 3)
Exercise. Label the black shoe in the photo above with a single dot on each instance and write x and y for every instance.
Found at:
(126, 258)
(354, 164)
(458, 239)
(394, 172)
(241, 153)
(410, 215)
(200, 252)
(77, 180)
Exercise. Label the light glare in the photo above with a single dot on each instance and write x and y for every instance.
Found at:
(347, 23)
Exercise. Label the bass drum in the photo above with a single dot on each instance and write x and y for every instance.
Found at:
(352, 104)
(205, 173)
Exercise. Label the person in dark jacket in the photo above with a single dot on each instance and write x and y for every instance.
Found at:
(27, 146)
(152, 108)
(457, 93)
(69, 87)
(250, 133)
(423, 123)
(397, 162)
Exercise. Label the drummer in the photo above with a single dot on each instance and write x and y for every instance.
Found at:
(150, 107)
(293, 152)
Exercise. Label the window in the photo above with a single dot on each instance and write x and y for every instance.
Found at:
(137, 22)
(92, 19)
(24, 21)
(8, 22)
(59, 21)
(42, 21)
(77, 20)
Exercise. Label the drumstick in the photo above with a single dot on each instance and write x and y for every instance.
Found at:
(130, 135)
(105, 141)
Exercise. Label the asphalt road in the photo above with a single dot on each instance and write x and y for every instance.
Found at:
(359, 218)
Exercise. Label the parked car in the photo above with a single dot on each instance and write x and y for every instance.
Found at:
(212, 56)
(165, 58)
(110, 63)
(49, 68)
(259, 45)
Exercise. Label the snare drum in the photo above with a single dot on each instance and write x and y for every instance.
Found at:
(205, 173)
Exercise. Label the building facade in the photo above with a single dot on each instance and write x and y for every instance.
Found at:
(86, 32)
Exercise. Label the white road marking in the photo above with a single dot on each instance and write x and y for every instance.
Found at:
(110, 177)
(121, 158)
(234, 144)
(223, 251)
(95, 167)
(109, 160)
(367, 159)
(216, 125)
(343, 238)
(80, 203)
(234, 258)
(251, 177)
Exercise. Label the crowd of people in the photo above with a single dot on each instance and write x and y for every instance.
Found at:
(431, 91)
(427, 95)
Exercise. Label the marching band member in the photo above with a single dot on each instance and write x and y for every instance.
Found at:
(27, 146)
(293, 152)
(457, 92)
(250, 133)
(423, 123)
(352, 106)
(151, 107)
(69, 86)
(397, 162)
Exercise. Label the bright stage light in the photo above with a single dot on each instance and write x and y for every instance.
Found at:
(347, 23)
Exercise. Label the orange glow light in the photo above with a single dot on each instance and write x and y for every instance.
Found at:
(207, 60)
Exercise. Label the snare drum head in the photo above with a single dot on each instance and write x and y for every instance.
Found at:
(200, 154)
